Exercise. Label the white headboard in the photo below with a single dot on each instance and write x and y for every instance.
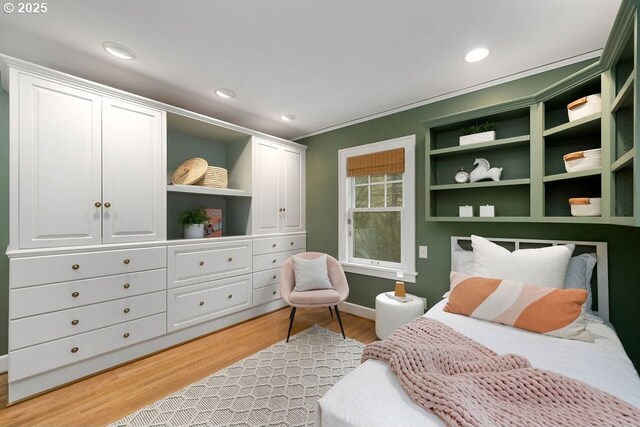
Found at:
(600, 249)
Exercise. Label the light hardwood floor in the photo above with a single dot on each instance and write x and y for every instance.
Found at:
(106, 397)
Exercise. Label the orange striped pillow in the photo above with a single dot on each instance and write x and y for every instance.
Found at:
(549, 311)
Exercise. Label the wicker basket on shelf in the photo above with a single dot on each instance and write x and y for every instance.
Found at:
(214, 177)
(190, 171)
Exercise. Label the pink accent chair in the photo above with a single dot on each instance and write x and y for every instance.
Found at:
(315, 298)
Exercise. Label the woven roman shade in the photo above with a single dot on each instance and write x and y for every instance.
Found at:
(382, 162)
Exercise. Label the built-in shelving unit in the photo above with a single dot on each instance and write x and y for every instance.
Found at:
(188, 137)
(511, 150)
(573, 175)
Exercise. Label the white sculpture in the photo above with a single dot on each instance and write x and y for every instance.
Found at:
(484, 171)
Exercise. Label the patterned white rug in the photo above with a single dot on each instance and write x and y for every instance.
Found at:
(278, 386)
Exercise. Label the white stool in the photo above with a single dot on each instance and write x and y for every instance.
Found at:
(391, 313)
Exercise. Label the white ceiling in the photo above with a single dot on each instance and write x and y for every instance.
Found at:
(327, 62)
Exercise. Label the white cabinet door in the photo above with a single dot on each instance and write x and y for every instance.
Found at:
(134, 189)
(266, 205)
(59, 184)
(293, 186)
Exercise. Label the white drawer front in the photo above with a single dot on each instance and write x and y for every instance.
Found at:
(266, 294)
(39, 270)
(52, 326)
(279, 244)
(44, 357)
(60, 296)
(195, 304)
(266, 278)
(190, 264)
(272, 261)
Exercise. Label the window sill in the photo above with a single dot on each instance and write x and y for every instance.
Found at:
(385, 273)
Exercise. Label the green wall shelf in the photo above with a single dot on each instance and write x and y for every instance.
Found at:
(481, 184)
(574, 219)
(584, 126)
(572, 175)
(482, 146)
(484, 219)
(625, 161)
(624, 99)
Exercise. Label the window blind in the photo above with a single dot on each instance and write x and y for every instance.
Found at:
(382, 162)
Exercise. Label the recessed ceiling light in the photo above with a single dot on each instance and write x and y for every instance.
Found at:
(225, 93)
(119, 50)
(287, 117)
(477, 55)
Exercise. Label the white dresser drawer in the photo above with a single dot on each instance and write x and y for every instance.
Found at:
(266, 294)
(195, 304)
(272, 261)
(44, 357)
(39, 270)
(60, 296)
(266, 278)
(52, 326)
(279, 244)
(190, 264)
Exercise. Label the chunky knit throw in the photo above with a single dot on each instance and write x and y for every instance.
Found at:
(467, 384)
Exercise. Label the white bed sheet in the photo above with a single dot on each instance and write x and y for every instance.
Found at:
(371, 395)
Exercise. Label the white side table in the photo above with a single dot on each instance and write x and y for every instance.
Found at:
(391, 313)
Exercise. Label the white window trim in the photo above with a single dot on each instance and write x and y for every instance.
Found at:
(408, 238)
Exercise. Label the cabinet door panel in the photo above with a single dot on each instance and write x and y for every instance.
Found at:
(293, 189)
(60, 156)
(266, 197)
(133, 177)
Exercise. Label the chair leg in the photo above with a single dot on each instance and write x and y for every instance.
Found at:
(291, 317)
(339, 321)
(330, 311)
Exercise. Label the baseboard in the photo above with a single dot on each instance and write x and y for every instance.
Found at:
(4, 363)
(358, 310)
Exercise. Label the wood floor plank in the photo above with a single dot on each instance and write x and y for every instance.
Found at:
(108, 396)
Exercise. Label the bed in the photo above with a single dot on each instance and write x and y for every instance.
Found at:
(371, 395)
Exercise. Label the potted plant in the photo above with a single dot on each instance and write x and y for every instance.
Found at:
(193, 221)
(481, 132)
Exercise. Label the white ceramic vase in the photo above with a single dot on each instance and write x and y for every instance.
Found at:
(194, 231)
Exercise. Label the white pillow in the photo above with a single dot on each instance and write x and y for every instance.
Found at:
(543, 267)
(311, 274)
(462, 260)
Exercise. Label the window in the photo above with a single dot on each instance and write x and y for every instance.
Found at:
(377, 208)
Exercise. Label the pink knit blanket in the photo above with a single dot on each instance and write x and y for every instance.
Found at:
(467, 384)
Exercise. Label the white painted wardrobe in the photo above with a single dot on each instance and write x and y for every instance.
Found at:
(99, 272)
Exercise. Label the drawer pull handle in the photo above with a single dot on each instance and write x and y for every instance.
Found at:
(229, 296)
(273, 246)
(127, 261)
(75, 294)
(230, 259)
(74, 350)
(74, 322)
(127, 286)
(126, 335)
(75, 266)
(284, 209)
(126, 310)
(274, 277)
(275, 292)
(280, 210)
(201, 302)
(274, 261)
(97, 204)
(201, 262)
(107, 205)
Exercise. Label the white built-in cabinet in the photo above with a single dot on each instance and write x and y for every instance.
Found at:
(133, 186)
(279, 184)
(90, 167)
(93, 280)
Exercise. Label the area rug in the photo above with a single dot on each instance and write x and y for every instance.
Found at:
(278, 386)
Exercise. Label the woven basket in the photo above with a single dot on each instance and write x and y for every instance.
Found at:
(190, 171)
(214, 177)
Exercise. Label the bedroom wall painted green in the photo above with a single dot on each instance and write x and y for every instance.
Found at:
(432, 281)
(4, 221)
